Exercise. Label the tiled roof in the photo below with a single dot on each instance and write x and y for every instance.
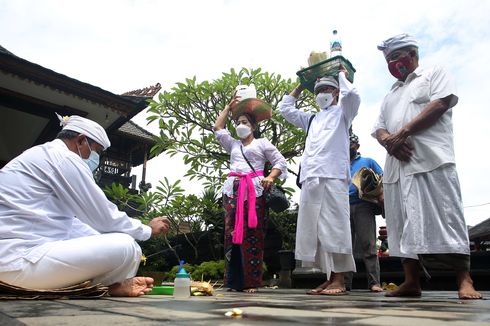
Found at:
(132, 129)
(125, 106)
(4, 50)
(146, 92)
(481, 230)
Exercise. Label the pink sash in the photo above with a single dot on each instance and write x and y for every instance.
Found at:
(245, 184)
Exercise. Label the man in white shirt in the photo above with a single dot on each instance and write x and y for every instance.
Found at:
(424, 214)
(57, 228)
(323, 236)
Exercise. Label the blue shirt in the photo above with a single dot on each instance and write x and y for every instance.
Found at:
(355, 166)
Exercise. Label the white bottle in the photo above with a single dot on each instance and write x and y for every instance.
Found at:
(182, 285)
(335, 44)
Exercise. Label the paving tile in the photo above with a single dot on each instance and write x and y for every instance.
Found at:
(403, 312)
(390, 321)
(89, 320)
(268, 307)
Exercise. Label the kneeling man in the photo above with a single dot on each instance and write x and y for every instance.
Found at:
(57, 228)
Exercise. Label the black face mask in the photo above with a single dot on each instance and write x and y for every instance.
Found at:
(353, 153)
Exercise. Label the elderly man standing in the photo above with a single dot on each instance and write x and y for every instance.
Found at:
(57, 228)
(424, 214)
(323, 236)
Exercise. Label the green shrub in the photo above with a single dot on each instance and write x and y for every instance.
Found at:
(208, 270)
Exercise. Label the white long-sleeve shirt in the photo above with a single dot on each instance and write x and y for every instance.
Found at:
(326, 153)
(258, 152)
(48, 194)
(432, 147)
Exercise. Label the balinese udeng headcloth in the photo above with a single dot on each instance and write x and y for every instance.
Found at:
(89, 128)
(326, 81)
(397, 42)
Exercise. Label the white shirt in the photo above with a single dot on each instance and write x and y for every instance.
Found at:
(326, 151)
(433, 146)
(258, 152)
(48, 194)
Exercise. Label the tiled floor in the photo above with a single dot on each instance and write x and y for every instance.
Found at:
(268, 307)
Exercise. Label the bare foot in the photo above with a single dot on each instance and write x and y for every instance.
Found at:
(406, 290)
(466, 290)
(319, 288)
(251, 290)
(376, 288)
(132, 287)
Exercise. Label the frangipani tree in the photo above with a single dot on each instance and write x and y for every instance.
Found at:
(187, 112)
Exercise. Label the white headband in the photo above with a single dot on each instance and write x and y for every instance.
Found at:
(326, 81)
(397, 42)
(89, 128)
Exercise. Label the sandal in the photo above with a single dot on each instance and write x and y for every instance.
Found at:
(336, 291)
(315, 291)
(319, 288)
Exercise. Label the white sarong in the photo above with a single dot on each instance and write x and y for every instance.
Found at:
(424, 214)
(105, 258)
(323, 233)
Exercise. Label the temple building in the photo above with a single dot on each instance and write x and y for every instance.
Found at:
(30, 95)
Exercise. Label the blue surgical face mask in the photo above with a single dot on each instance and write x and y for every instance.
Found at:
(93, 160)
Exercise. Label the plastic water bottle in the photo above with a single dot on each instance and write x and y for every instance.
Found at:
(335, 44)
(182, 283)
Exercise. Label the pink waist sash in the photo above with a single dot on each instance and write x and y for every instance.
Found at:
(246, 185)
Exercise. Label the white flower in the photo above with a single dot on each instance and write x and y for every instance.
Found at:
(65, 120)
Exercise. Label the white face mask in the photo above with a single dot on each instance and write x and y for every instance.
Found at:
(243, 131)
(324, 100)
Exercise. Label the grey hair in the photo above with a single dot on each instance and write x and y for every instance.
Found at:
(70, 134)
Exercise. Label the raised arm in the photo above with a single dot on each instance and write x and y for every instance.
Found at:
(288, 109)
(220, 122)
(349, 97)
(297, 91)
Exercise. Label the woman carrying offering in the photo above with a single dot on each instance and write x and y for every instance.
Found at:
(243, 198)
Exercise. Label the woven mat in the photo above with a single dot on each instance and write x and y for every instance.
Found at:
(84, 290)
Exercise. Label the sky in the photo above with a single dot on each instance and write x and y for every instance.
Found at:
(123, 45)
